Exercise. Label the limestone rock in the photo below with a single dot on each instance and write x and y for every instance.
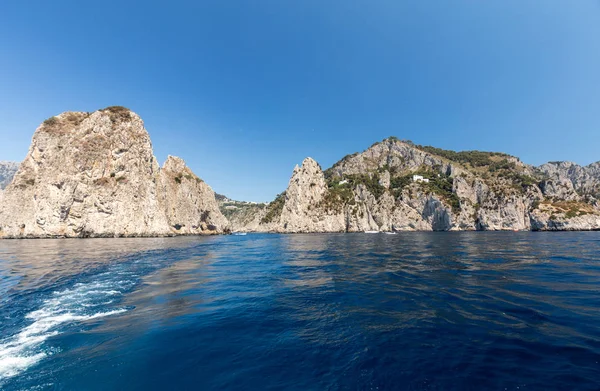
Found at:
(541, 221)
(189, 203)
(584, 180)
(384, 180)
(94, 175)
(559, 187)
(375, 190)
(305, 191)
(243, 216)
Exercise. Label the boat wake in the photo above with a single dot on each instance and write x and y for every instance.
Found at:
(79, 303)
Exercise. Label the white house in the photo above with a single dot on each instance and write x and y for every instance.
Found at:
(419, 178)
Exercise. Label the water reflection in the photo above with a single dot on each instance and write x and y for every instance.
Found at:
(392, 282)
(34, 264)
(331, 311)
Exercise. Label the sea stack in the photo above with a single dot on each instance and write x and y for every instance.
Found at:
(189, 203)
(95, 175)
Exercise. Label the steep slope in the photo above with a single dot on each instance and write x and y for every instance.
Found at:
(7, 172)
(94, 174)
(573, 177)
(375, 190)
(241, 215)
(190, 204)
(304, 194)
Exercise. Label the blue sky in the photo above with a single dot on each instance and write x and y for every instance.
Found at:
(244, 90)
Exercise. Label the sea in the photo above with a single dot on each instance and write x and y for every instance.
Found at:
(411, 311)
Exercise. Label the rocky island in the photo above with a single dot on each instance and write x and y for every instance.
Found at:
(95, 175)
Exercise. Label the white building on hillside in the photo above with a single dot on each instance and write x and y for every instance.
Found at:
(419, 178)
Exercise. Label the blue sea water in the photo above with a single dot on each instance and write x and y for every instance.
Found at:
(414, 311)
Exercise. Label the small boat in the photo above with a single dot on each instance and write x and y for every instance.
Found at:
(239, 233)
(390, 233)
(371, 232)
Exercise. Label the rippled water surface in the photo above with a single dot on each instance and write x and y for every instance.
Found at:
(430, 311)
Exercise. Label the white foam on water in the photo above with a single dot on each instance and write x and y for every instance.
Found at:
(80, 303)
(13, 365)
(95, 305)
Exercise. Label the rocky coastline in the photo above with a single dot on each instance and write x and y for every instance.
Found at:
(396, 186)
(95, 175)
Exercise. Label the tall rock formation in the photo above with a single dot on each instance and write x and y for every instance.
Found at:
(189, 202)
(95, 175)
(304, 194)
(376, 190)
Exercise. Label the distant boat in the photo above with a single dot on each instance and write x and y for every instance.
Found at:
(371, 232)
(239, 233)
(390, 233)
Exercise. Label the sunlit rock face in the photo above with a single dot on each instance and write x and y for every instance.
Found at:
(398, 186)
(95, 175)
(189, 203)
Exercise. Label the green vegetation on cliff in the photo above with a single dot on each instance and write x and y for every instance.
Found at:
(442, 186)
(492, 185)
(118, 113)
(569, 209)
(370, 181)
(438, 184)
(336, 197)
(474, 158)
(274, 209)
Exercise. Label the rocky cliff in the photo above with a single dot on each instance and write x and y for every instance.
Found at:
(473, 190)
(95, 175)
(569, 180)
(242, 216)
(189, 203)
(7, 171)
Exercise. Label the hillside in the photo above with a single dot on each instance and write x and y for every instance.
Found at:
(471, 190)
(94, 174)
(242, 215)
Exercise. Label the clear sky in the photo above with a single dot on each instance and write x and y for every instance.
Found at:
(244, 90)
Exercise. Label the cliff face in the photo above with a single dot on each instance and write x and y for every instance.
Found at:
(7, 171)
(570, 179)
(375, 190)
(189, 203)
(305, 191)
(242, 215)
(91, 175)
(94, 174)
